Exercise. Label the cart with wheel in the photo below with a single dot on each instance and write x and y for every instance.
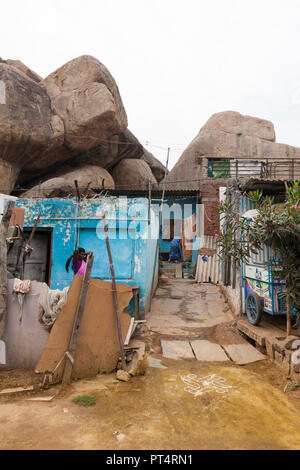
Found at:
(263, 291)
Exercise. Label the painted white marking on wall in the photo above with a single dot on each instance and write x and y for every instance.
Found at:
(199, 385)
(68, 234)
(2, 92)
(137, 262)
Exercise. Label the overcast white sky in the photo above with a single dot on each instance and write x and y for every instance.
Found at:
(175, 62)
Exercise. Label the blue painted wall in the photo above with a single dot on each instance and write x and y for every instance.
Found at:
(133, 256)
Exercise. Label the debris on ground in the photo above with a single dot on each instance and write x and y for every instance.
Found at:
(8, 391)
(156, 363)
(41, 398)
(123, 376)
(137, 364)
(292, 388)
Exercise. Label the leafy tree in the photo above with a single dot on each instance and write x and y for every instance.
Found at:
(275, 225)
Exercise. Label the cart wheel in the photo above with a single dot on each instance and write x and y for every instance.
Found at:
(254, 308)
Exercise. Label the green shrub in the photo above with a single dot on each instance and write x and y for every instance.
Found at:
(85, 400)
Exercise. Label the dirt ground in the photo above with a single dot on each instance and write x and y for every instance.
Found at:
(155, 411)
(161, 409)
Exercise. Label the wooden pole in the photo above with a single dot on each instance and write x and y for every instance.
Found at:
(114, 290)
(23, 250)
(288, 319)
(77, 322)
(77, 190)
(164, 180)
(3, 264)
(149, 202)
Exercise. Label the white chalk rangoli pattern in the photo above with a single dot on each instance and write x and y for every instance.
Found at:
(199, 385)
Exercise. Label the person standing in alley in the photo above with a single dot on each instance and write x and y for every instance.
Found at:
(175, 255)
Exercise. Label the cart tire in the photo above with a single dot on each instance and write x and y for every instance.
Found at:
(254, 308)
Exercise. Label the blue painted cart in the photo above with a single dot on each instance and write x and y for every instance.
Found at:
(262, 290)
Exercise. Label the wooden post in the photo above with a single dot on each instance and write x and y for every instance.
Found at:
(77, 322)
(149, 202)
(114, 290)
(23, 252)
(288, 319)
(77, 190)
(3, 264)
(136, 294)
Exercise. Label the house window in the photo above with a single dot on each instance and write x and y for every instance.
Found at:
(219, 168)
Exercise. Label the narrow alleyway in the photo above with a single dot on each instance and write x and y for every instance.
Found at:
(178, 403)
(193, 321)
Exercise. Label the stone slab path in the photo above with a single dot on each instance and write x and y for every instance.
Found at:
(208, 352)
(185, 314)
(183, 303)
(244, 353)
(177, 350)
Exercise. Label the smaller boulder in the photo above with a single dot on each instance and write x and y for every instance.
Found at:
(157, 168)
(122, 375)
(134, 174)
(89, 177)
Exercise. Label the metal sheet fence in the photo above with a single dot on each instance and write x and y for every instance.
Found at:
(208, 267)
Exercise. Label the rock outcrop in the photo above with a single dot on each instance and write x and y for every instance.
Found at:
(29, 129)
(73, 118)
(227, 135)
(133, 174)
(235, 123)
(89, 178)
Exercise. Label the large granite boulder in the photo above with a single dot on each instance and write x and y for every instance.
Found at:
(86, 97)
(133, 174)
(89, 178)
(235, 123)
(232, 142)
(29, 128)
(75, 112)
(74, 118)
(158, 169)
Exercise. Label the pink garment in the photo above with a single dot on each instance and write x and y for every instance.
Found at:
(81, 270)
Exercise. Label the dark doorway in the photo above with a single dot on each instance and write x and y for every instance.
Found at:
(38, 264)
